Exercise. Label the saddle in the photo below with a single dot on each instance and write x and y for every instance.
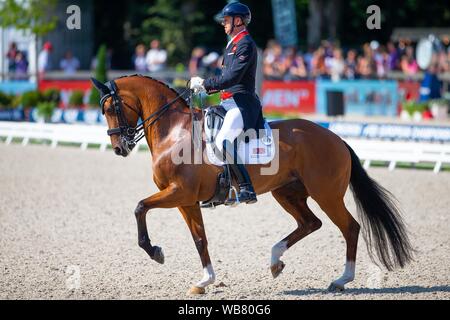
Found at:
(257, 149)
(254, 147)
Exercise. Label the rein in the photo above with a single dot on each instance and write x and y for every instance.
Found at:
(132, 135)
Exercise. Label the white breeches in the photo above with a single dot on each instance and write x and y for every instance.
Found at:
(233, 124)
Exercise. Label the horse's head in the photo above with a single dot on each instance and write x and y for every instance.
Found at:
(121, 109)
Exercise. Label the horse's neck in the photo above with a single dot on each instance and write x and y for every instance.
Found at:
(176, 120)
(173, 125)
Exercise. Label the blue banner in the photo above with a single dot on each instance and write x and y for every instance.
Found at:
(17, 87)
(361, 97)
(387, 131)
(12, 115)
(72, 116)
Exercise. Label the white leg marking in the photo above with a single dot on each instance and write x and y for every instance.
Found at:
(208, 277)
(277, 252)
(349, 274)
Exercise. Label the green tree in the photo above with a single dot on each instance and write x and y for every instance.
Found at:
(30, 15)
(100, 75)
(175, 23)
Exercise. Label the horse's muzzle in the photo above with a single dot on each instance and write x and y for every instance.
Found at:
(120, 151)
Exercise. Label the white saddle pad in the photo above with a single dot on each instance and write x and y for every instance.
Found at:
(256, 151)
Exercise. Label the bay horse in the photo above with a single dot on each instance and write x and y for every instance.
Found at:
(313, 162)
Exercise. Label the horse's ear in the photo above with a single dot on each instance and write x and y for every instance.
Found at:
(100, 86)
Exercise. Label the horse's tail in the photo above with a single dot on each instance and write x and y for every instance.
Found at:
(383, 227)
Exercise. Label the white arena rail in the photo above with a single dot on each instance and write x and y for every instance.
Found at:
(58, 133)
(401, 151)
(392, 152)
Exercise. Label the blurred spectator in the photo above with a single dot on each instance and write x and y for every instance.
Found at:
(401, 50)
(443, 60)
(69, 64)
(351, 66)
(195, 62)
(408, 64)
(431, 86)
(364, 67)
(139, 59)
(446, 42)
(448, 60)
(294, 66)
(43, 59)
(21, 68)
(380, 59)
(211, 63)
(11, 56)
(318, 67)
(393, 57)
(273, 60)
(307, 58)
(156, 57)
(337, 65)
(328, 48)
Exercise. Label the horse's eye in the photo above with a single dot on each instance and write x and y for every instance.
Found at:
(110, 110)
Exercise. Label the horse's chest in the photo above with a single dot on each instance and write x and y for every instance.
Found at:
(166, 163)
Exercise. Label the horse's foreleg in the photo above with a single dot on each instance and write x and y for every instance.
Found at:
(193, 217)
(167, 198)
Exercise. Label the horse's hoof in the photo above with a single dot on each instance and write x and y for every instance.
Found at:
(196, 290)
(276, 269)
(334, 287)
(158, 255)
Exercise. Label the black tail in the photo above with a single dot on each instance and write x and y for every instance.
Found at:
(383, 228)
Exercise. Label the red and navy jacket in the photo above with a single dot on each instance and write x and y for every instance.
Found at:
(238, 79)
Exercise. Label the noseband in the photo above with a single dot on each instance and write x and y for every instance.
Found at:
(130, 135)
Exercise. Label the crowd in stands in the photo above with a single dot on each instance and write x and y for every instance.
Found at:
(328, 61)
(156, 59)
(17, 62)
(370, 61)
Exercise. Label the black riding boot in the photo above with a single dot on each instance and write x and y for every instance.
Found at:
(246, 192)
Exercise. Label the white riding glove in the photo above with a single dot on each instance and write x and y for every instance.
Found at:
(197, 84)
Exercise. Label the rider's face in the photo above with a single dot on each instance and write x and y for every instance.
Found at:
(227, 23)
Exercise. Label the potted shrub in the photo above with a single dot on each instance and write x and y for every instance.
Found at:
(45, 110)
(413, 110)
(76, 99)
(439, 109)
(16, 101)
(5, 100)
(29, 100)
(51, 95)
(75, 104)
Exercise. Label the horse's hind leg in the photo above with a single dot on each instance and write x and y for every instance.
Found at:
(292, 198)
(349, 227)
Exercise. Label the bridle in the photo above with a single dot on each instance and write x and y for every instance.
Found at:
(130, 135)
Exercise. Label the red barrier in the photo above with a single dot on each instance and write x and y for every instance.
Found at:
(408, 90)
(68, 85)
(295, 96)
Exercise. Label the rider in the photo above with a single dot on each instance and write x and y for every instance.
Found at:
(237, 85)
